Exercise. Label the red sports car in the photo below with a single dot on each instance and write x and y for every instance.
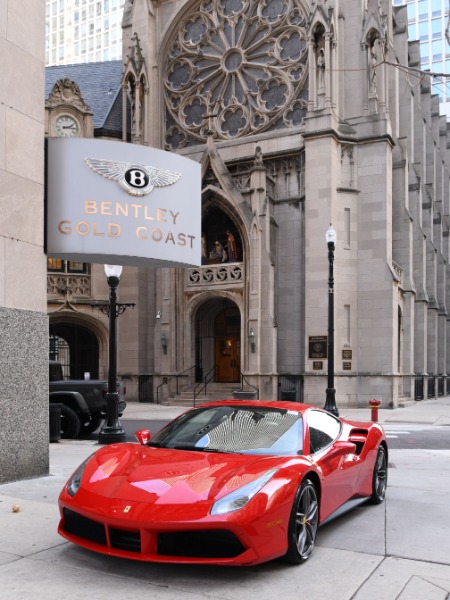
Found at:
(226, 483)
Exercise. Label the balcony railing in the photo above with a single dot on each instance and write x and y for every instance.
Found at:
(224, 274)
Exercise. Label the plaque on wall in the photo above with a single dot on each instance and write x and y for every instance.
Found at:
(347, 366)
(346, 355)
(318, 346)
(318, 365)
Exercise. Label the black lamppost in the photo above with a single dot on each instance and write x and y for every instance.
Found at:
(330, 402)
(112, 431)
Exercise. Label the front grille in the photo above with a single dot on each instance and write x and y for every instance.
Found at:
(214, 543)
(200, 544)
(125, 540)
(82, 527)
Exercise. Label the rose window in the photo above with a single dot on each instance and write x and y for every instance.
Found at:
(236, 67)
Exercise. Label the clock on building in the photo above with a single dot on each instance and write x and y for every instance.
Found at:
(67, 126)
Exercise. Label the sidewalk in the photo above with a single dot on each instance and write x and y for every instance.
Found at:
(431, 412)
(399, 550)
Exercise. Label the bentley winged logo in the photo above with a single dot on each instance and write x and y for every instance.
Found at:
(134, 178)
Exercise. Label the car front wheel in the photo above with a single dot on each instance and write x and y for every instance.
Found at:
(379, 479)
(92, 426)
(303, 523)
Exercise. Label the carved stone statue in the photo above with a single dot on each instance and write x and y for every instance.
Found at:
(321, 70)
(373, 63)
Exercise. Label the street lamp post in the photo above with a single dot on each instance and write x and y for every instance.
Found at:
(112, 431)
(330, 402)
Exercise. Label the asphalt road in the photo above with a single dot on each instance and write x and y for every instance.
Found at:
(400, 436)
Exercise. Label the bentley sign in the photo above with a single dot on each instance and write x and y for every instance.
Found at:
(118, 203)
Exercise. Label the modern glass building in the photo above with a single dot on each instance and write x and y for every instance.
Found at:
(81, 31)
(427, 22)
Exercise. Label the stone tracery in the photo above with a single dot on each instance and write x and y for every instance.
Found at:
(236, 67)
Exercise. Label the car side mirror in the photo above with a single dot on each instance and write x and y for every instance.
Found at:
(143, 436)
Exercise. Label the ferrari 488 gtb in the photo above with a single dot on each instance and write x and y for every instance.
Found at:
(226, 483)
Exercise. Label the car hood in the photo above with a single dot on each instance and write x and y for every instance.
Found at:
(165, 476)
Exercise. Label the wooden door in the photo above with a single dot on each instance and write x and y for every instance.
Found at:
(228, 359)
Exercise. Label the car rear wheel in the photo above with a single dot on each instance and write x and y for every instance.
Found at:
(70, 423)
(379, 480)
(303, 523)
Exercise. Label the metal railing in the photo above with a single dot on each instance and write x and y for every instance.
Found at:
(167, 379)
(290, 387)
(201, 386)
(250, 385)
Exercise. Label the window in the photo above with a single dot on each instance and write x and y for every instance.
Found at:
(423, 9)
(323, 430)
(412, 32)
(56, 265)
(423, 31)
(436, 8)
(437, 28)
(436, 48)
(424, 53)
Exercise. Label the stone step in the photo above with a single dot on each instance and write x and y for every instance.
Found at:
(214, 391)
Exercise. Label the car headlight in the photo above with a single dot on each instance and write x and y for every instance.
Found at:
(73, 485)
(239, 498)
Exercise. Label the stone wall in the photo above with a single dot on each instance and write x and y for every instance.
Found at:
(24, 409)
(24, 434)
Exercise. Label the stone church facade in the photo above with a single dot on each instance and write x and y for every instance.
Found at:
(301, 115)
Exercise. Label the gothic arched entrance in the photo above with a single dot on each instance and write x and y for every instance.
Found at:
(218, 341)
(76, 347)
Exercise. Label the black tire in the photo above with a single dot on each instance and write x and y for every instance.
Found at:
(303, 523)
(70, 423)
(379, 478)
(92, 426)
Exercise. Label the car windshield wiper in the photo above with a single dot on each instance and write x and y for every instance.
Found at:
(219, 450)
(185, 447)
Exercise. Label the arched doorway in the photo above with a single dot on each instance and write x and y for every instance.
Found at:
(218, 341)
(76, 347)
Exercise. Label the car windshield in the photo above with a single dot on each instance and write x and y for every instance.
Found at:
(242, 430)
